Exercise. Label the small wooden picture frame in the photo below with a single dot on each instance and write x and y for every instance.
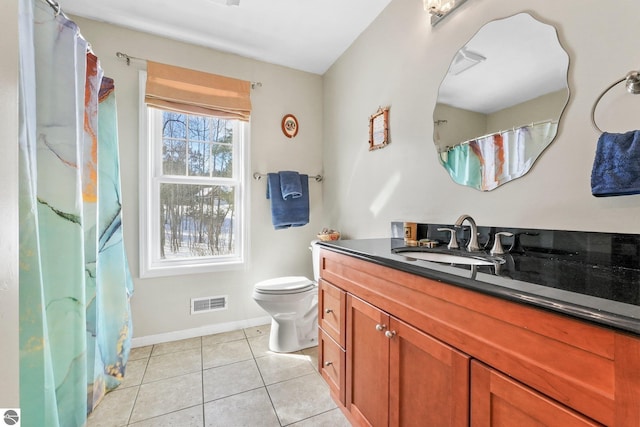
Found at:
(379, 129)
(290, 125)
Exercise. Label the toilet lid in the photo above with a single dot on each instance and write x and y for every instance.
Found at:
(284, 285)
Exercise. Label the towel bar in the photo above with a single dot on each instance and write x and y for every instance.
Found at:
(632, 80)
(258, 176)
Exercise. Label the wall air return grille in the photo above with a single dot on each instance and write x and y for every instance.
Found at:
(208, 304)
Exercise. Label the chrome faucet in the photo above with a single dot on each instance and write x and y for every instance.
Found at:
(473, 240)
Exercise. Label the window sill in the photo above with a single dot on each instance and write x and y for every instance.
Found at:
(191, 268)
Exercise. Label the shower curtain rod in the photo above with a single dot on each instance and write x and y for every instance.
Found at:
(542, 122)
(128, 59)
(54, 5)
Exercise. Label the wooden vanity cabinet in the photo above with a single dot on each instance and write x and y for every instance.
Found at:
(421, 352)
(399, 376)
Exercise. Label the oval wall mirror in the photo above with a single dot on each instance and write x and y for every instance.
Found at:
(500, 103)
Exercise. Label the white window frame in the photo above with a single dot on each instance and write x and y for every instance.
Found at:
(150, 179)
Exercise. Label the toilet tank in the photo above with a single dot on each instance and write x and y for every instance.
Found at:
(315, 256)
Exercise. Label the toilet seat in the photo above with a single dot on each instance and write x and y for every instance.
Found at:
(285, 285)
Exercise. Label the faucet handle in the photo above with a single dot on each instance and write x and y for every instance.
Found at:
(453, 240)
(497, 244)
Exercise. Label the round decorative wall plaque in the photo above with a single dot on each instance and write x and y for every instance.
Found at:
(290, 125)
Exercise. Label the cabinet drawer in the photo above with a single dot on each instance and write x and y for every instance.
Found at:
(331, 364)
(331, 311)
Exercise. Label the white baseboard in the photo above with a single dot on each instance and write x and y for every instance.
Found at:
(198, 332)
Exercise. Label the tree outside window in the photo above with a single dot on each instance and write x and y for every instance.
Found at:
(195, 182)
(196, 220)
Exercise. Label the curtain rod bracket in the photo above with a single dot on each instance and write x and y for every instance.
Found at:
(125, 57)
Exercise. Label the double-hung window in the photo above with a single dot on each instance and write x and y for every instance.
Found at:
(193, 191)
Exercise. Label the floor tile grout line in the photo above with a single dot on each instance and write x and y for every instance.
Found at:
(275, 411)
(264, 383)
(169, 353)
(135, 399)
(165, 414)
(289, 379)
(309, 417)
(266, 389)
(228, 364)
(222, 342)
(148, 360)
(170, 377)
(233, 394)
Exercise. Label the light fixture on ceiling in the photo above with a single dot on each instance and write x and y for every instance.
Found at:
(439, 9)
(464, 60)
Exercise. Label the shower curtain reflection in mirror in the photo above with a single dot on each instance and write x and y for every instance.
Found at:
(486, 162)
(75, 285)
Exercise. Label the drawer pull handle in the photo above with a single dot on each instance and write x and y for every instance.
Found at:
(328, 311)
(390, 334)
(328, 363)
(380, 327)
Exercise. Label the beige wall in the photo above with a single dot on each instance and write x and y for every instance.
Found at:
(400, 61)
(160, 306)
(545, 107)
(461, 125)
(464, 125)
(9, 391)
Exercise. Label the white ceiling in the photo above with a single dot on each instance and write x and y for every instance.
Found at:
(307, 35)
(524, 60)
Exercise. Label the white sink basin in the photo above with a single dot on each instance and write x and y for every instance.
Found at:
(450, 258)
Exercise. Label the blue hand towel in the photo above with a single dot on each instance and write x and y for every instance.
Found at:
(290, 185)
(288, 213)
(616, 168)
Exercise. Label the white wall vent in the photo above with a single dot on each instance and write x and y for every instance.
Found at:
(207, 304)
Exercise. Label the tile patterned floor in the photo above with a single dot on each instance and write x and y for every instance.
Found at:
(229, 379)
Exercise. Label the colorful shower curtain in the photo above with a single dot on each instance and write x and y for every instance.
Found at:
(485, 163)
(75, 285)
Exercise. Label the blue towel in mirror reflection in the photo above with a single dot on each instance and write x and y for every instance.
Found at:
(291, 212)
(616, 168)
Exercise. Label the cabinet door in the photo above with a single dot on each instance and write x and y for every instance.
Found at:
(367, 382)
(497, 400)
(429, 382)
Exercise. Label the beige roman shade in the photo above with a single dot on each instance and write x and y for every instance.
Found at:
(189, 91)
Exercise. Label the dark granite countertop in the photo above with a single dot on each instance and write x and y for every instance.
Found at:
(587, 285)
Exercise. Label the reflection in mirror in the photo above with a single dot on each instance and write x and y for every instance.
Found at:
(500, 102)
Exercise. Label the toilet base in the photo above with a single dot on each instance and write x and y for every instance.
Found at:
(288, 336)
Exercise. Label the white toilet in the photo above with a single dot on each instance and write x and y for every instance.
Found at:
(292, 302)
